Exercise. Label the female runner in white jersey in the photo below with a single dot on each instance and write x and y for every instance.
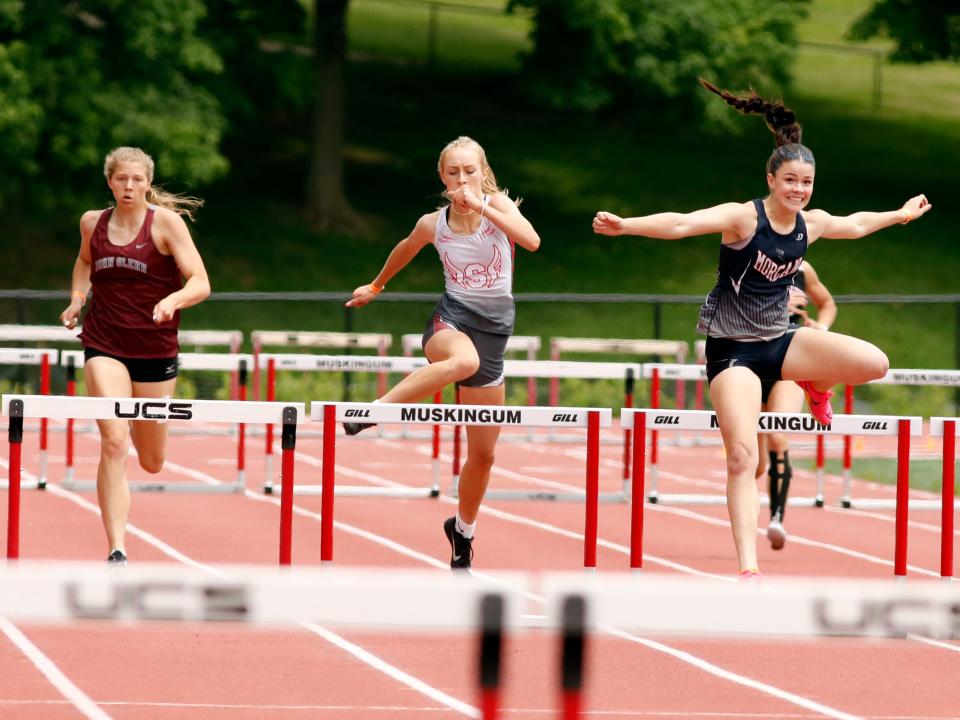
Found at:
(745, 316)
(467, 333)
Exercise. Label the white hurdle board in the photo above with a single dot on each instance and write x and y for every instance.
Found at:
(163, 410)
(504, 416)
(779, 607)
(592, 419)
(791, 423)
(224, 362)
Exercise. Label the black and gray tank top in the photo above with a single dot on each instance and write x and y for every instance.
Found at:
(749, 301)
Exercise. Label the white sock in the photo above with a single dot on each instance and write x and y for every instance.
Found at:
(465, 529)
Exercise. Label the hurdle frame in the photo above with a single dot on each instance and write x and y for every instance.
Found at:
(236, 364)
(18, 407)
(260, 339)
(44, 357)
(904, 427)
(300, 362)
(332, 413)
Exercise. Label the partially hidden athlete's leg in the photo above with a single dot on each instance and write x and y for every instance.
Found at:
(735, 394)
(107, 377)
(785, 397)
(829, 358)
(481, 445)
(452, 357)
(150, 436)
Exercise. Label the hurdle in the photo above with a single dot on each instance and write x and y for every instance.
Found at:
(676, 348)
(946, 428)
(342, 363)
(236, 364)
(43, 358)
(590, 418)
(657, 371)
(561, 369)
(942, 378)
(19, 407)
(303, 339)
(701, 420)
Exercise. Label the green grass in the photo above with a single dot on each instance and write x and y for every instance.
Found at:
(924, 474)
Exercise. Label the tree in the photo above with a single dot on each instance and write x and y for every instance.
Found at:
(327, 205)
(594, 54)
(79, 78)
(922, 30)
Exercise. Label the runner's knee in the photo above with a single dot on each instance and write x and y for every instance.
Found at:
(741, 458)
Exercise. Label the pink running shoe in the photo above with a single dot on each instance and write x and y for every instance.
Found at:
(751, 576)
(818, 401)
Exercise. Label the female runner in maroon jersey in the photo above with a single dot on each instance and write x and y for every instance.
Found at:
(141, 263)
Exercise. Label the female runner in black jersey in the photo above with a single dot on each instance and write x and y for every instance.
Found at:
(744, 317)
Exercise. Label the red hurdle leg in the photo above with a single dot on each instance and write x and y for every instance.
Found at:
(71, 391)
(435, 451)
(15, 436)
(903, 498)
(491, 642)
(637, 496)
(457, 435)
(241, 428)
(572, 658)
(627, 443)
(44, 423)
(328, 475)
(288, 441)
(593, 490)
(948, 492)
(845, 499)
(268, 435)
(654, 435)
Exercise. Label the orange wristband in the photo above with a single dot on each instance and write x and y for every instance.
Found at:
(78, 294)
(377, 289)
(907, 217)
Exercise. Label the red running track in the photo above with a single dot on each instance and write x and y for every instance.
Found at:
(159, 671)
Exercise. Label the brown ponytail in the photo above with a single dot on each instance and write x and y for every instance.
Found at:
(781, 121)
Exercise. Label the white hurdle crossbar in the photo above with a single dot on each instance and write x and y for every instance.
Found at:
(517, 416)
(903, 428)
(274, 362)
(237, 364)
(308, 339)
(45, 358)
(19, 407)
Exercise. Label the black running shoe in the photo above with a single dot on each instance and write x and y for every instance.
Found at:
(461, 548)
(117, 558)
(351, 428)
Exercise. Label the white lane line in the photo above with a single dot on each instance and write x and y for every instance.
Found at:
(87, 707)
(400, 676)
(952, 647)
(733, 677)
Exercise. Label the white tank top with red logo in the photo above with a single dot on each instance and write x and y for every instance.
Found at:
(478, 268)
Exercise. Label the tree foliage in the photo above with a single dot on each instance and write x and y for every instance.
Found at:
(595, 54)
(79, 78)
(923, 30)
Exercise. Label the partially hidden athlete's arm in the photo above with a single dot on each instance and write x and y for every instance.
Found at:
(821, 297)
(734, 220)
(504, 213)
(171, 233)
(402, 253)
(80, 279)
(860, 224)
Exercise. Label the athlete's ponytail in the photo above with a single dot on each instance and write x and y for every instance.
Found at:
(781, 121)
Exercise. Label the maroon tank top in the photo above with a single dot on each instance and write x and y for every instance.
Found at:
(128, 281)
